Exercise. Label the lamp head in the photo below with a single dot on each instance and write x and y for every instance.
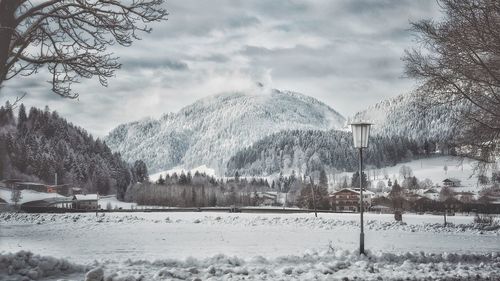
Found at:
(360, 134)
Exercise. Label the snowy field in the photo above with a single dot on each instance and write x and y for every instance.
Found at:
(431, 168)
(223, 246)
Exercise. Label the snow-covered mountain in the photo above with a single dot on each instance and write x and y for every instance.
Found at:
(406, 115)
(209, 131)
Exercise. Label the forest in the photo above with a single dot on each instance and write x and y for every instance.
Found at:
(34, 146)
(201, 190)
(310, 151)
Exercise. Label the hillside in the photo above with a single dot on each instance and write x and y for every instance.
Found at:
(405, 115)
(309, 151)
(37, 145)
(433, 168)
(209, 131)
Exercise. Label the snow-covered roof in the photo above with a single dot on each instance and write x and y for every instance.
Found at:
(345, 189)
(451, 180)
(29, 183)
(86, 197)
(366, 192)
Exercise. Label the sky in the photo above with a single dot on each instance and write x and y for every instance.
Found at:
(346, 53)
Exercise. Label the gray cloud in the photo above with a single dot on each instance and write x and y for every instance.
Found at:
(345, 53)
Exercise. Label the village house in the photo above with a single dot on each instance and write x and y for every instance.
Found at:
(85, 202)
(451, 182)
(465, 196)
(269, 198)
(347, 200)
(431, 193)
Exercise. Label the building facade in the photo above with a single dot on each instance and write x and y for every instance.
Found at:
(347, 200)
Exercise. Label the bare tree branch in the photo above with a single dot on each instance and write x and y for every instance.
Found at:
(457, 61)
(70, 37)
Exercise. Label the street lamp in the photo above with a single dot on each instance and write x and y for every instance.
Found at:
(360, 134)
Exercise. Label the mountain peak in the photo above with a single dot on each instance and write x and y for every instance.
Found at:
(209, 131)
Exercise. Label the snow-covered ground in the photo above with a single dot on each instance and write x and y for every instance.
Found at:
(223, 246)
(26, 195)
(432, 168)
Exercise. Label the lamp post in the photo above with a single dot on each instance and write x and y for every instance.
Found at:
(360, 134)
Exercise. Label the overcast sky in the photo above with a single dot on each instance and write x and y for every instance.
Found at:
(344, 53)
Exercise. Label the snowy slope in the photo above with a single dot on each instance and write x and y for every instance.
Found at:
(212, 129)
(405, 115)
(27, 195)
(433, 169)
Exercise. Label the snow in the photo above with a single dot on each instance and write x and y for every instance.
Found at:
(433, 169)
(331, 264)
(178, 170)
(13, 266)
(27, 195)
(225, 246)
(211, 130)
(86, 197)
(115, 203)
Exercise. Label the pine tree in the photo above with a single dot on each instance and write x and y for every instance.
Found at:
(22, 118)
(160, 180)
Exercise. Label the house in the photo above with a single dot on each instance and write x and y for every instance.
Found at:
(347, 200)
(368, 195)
(85, 202)
(76, 190)
(465, 197)
(431, 193)
(451, 182)
(266, 198)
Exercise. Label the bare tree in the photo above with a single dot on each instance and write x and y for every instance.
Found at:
(458, 62)
(405, 172)
(70, 37)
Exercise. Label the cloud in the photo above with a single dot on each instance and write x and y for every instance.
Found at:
(345, 53)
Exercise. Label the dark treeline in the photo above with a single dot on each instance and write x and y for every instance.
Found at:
(198, 190)
(201, 190)
(310, 151)
(37, 145)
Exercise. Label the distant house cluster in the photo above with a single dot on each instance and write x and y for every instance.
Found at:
(68, 197)
(449, 195)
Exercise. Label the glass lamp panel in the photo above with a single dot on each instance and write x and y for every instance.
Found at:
(360, 133)
(365, 128)
(356, 134)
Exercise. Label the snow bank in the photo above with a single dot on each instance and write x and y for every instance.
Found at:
(26, 218)
(322, 222)
(27, 266)
(332, 264)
